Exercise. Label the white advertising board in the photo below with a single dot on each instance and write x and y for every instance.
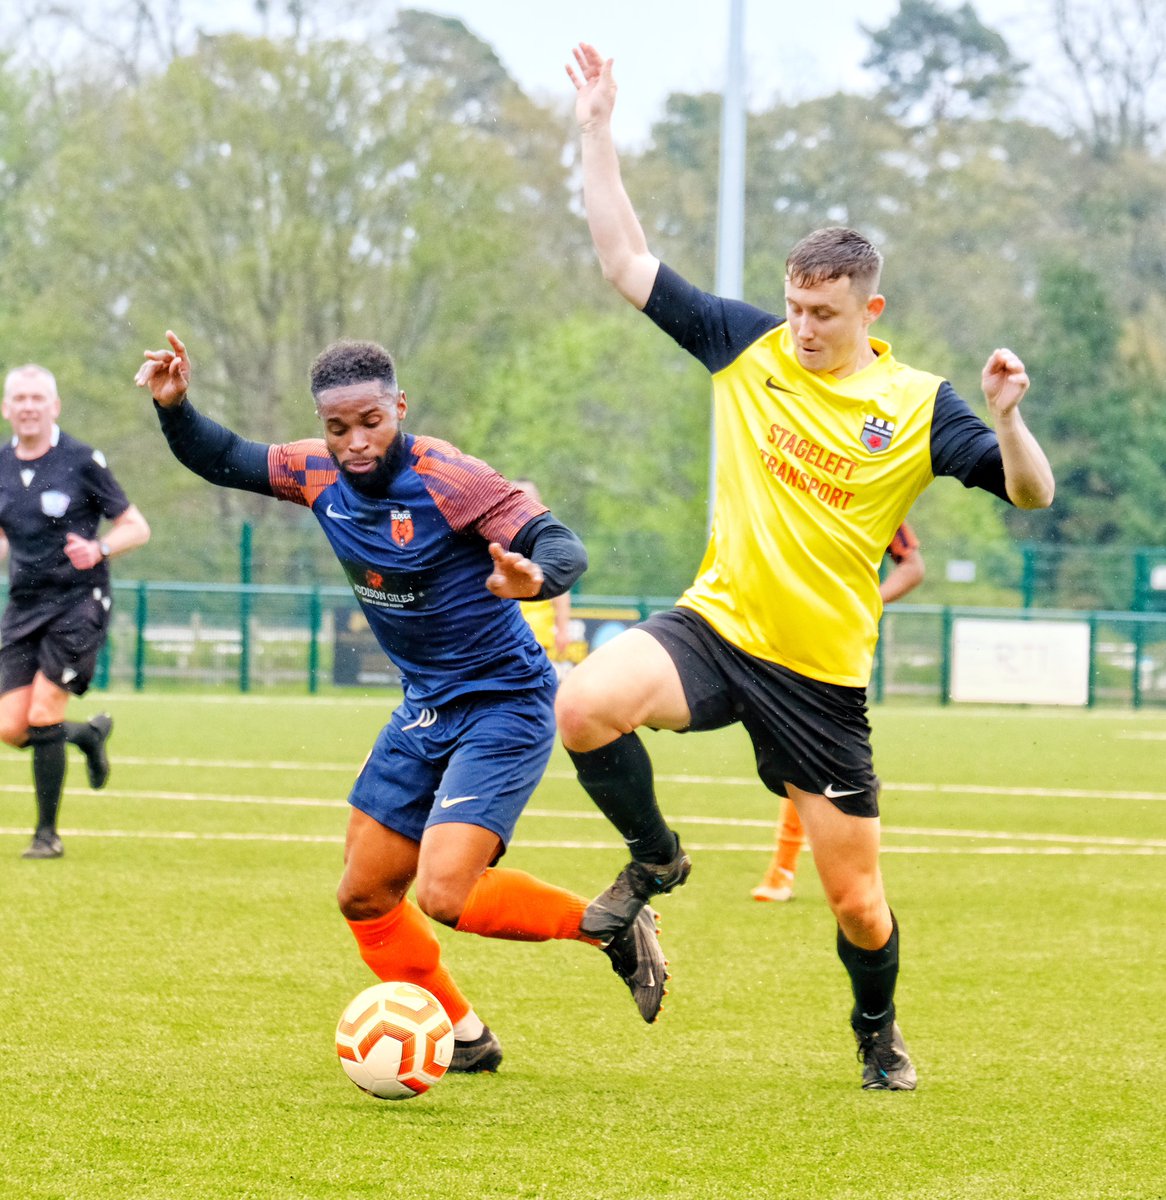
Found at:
(1020, 662)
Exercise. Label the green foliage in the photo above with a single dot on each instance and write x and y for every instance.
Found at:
(1099, 453)
(937, 62)
(618, 420)
(264, 196)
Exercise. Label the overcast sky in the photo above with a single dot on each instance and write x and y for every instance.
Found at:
(792, 49)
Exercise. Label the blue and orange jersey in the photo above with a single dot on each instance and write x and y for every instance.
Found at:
(418, 559)
(903, 544)
(814, 474)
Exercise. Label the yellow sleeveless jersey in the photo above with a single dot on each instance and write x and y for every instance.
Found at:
(540, 616)
(814, 475)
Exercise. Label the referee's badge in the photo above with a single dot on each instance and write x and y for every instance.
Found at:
(54, 504)
(877, 434)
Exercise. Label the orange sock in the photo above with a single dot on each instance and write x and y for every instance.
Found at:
(402, 945)
(511, 904)
(790, 839)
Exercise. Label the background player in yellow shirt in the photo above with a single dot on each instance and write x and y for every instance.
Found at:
(824, 442)
(789, 837)
(550, 620)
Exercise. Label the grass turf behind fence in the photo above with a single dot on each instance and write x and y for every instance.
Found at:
(170, 988)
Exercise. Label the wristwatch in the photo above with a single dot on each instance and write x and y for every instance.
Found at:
(104, 548)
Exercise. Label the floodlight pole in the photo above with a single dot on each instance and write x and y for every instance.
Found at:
(730, 194)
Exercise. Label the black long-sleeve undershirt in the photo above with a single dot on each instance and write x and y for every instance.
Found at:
(222, 457)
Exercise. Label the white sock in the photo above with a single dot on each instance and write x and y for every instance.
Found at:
(469, 1028)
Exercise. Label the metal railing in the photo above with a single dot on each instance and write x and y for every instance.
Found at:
(243, 637)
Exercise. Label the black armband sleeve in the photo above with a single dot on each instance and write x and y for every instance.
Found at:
(562, 556)
(213, 451)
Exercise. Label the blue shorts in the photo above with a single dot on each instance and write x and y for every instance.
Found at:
(476, 762)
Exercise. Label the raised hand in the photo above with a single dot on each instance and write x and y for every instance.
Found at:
(1004, 381)
(166, 372)
(513, 577)
(594, 83)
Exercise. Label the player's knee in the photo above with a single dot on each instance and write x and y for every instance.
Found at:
(582, 715)
(362, 903)
(857, 906)
(441, 899)
(14, 733)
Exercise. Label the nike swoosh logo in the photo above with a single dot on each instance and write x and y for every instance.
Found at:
(835, 793)
(777, 387)
(450, 801)
(336, 516)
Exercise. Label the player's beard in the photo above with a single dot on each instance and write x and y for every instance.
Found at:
(376, 483)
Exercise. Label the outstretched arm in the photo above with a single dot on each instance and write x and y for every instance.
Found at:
(615, 229)
(1027, 474)
(202, 445)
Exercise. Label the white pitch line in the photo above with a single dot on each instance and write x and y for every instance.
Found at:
(351, 769)
(594, 815)
(697, 847)
(199, 797)
(338, 804)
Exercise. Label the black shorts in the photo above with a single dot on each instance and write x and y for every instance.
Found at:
(64, 646)
(814, 735)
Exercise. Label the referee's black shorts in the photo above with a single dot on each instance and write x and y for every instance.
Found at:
(62, 643)
(814, 735)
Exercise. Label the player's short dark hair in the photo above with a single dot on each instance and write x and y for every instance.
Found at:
(346, 362)
(831, 253)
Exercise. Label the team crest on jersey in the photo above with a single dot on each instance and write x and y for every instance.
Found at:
(374, 579)
(402, 527)
(54, 504)
(877, 434)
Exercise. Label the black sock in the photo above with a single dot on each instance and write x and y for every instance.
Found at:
(872, 979)
(48, 772)
(618, 778)
(80, 734)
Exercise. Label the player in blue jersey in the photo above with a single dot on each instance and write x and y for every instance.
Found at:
(55, 494)
(824, 441)
(437, 547)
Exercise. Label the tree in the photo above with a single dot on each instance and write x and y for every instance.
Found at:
(611, 419)
(1116, 54)
(1104, 458)
(266, 199)
(937, 63)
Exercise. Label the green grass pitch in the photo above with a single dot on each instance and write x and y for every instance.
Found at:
(169, 989)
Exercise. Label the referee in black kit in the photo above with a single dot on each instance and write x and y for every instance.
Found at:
(54, 493)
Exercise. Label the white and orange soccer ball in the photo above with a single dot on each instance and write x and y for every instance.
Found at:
(394, 1040)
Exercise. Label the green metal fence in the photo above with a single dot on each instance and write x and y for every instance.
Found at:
(255, 637)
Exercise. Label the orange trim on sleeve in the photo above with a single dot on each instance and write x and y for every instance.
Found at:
(903, 544)
(300, 471)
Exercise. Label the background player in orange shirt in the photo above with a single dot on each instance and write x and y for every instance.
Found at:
(778, 884)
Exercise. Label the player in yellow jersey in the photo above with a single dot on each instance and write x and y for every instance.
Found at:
(790, 837)
(824, 442)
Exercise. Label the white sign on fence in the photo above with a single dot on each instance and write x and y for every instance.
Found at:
(1020, 662)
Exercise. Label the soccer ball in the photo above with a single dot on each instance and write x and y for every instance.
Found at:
(394, 1040)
